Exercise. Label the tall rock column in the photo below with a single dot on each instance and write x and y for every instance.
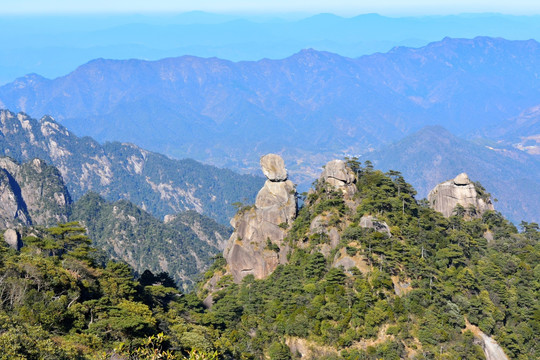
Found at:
(256, 245)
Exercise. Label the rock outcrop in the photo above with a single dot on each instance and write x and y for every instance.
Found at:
(13, 239)
(13, 210)
(337, 174)
(492, 350)
(256, 246)
(370, 222)
(460, 190)
(32, 193)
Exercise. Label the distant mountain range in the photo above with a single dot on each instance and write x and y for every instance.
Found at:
(120, 171)
(310, 105)
(54, 45)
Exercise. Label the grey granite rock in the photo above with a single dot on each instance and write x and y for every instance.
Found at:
(337, 174)
(13, 239)
(256, 246)
(460, 190)
(273, 167)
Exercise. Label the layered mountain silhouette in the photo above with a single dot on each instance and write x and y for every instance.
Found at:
(310, 103)
(310, 107)
(55, 45)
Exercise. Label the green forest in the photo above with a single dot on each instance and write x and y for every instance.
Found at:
(421, 291)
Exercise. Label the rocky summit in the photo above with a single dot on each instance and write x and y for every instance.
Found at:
(338, 175)
(256, 247)
(471, 196)
(273, 167)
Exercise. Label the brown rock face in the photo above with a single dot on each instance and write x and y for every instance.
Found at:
(460, 190)
(337, 174)
(256, 247)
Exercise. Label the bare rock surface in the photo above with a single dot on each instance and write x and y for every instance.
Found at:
(492, 349)
(13, 239)
(273, 167)
(460, 190)
(256, 246)
(13, 210)
(462, 180)
(337, 174)
(32, 193)
(370, 222)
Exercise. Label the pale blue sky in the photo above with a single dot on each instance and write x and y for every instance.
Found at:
(341, 7)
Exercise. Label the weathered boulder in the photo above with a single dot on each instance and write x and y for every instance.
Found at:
(462, 179)
(337, 174)
(256, 246)
(273, 167)
(13, 239)
(370, 222)
(460, 190)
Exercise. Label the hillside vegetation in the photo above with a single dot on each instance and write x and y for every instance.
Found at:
(34, 194)
(423, 290)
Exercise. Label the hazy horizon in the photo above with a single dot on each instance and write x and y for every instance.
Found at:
(243, 7)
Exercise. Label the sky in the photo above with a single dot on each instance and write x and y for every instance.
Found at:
(340, 7)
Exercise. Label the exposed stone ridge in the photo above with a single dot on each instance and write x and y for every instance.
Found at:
(256, 246)
(337, 174)
(156, 183)
(460, 190)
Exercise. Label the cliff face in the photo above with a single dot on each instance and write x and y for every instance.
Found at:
(32, 193)
(13, 211)
(256, 247)
(460, 190)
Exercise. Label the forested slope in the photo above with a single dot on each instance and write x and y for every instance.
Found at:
(423, 289)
